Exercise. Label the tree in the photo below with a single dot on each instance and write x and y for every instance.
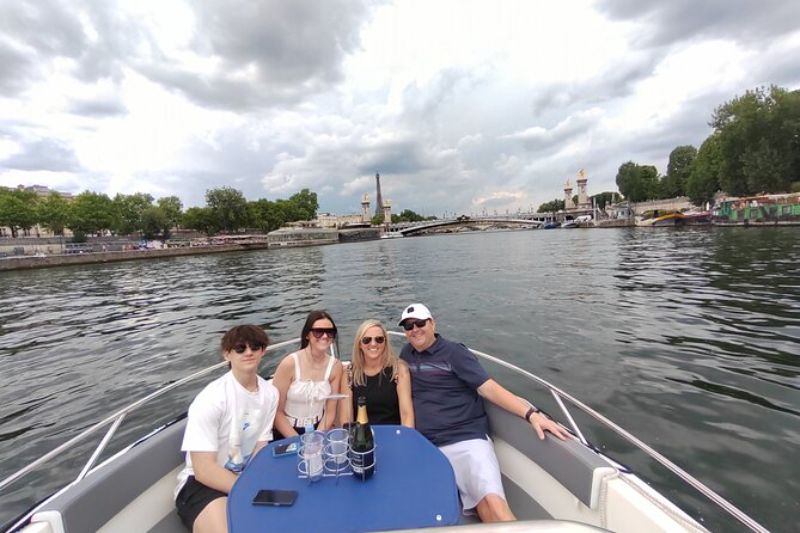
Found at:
(53, 213)
(407, 215)
(90, 213)
(305, 205)
(759, 141)
(128, 209)
(154, 221)
(200, 219)
(678, 169)
(552, 206)
(17, 209)
(637, 182)
(172, 208)
(266, 215)
(703, 181)
(229, 208)
(608, 197)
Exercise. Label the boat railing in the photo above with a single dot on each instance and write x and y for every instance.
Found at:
(559, 396)
(114, 421)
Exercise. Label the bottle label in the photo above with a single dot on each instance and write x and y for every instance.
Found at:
(363, 463)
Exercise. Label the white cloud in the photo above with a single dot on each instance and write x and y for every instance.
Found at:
(457, 104)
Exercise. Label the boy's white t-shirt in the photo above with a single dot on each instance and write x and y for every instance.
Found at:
(228, 419)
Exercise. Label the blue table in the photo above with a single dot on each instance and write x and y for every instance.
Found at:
(413, 486)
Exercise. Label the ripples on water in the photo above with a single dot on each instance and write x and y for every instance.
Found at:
(688, 338)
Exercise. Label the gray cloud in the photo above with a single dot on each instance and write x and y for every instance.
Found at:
(44, 154)
(16, 70)
(618, 81)
(46, 26)
(101, 107)
(270, 52)
(678, 20)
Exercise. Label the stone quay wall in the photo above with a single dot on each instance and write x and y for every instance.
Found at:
(22, 263)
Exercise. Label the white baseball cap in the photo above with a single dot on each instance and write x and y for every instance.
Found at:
(415, 311)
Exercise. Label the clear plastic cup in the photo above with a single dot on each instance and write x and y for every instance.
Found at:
(310, 455)
(337, 442)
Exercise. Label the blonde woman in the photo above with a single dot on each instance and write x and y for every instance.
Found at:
(378, 375)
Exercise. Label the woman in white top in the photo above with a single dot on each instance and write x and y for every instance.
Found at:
(306, 378)
(229, 422)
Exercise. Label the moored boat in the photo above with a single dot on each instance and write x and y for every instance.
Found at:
(656, 218)
(548, 483)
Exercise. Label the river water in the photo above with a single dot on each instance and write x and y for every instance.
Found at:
(688, 338)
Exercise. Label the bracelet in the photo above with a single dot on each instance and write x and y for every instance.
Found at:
(531, 411)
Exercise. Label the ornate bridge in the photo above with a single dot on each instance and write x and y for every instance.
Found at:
(476, 223)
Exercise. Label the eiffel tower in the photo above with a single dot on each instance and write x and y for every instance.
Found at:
(379, 200)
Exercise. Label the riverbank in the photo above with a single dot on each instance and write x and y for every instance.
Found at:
(28, 262)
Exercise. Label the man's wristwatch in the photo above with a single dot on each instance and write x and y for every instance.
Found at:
(530, 412)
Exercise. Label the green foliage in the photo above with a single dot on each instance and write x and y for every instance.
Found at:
(638, 182)
(228, 207)
(407, 215)
(551, 206)
(91, 213)
(53, 213)
(304, 205)
(154, 221)
(604, 198)
(172, 208)
(703, 181)
(759, 141)
(17, 209)
(678, 169)
(200, 219)
(128, 209)
(267, 215)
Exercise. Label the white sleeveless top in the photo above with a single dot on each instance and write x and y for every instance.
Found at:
(303, 399)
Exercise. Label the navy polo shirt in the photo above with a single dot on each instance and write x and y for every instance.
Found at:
(444, 383)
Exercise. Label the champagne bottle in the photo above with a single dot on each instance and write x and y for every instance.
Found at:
(362, 459)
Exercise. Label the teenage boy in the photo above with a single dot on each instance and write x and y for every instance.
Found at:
(229, 422)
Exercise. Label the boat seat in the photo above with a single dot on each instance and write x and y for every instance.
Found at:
(132, 492)
(169, 524)
(570, 463)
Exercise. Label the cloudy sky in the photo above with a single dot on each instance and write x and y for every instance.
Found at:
(461, 106)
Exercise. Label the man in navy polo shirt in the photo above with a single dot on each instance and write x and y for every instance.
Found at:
(448, 387)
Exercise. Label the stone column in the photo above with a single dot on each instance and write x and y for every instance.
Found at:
(387, 215)
(568, 195)
(365, 208)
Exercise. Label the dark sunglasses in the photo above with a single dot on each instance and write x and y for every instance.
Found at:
(319, 332)
(409, 324)
(241, 348)
(367, 340)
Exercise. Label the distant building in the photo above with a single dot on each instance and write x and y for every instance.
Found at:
(329, 220)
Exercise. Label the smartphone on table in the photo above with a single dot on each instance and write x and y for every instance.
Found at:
(275, 497)
(285, 449)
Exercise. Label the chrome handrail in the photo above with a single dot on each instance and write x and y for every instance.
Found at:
(557, 393)
(113, 419)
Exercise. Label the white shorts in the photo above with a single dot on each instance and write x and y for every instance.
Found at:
(476, 469)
